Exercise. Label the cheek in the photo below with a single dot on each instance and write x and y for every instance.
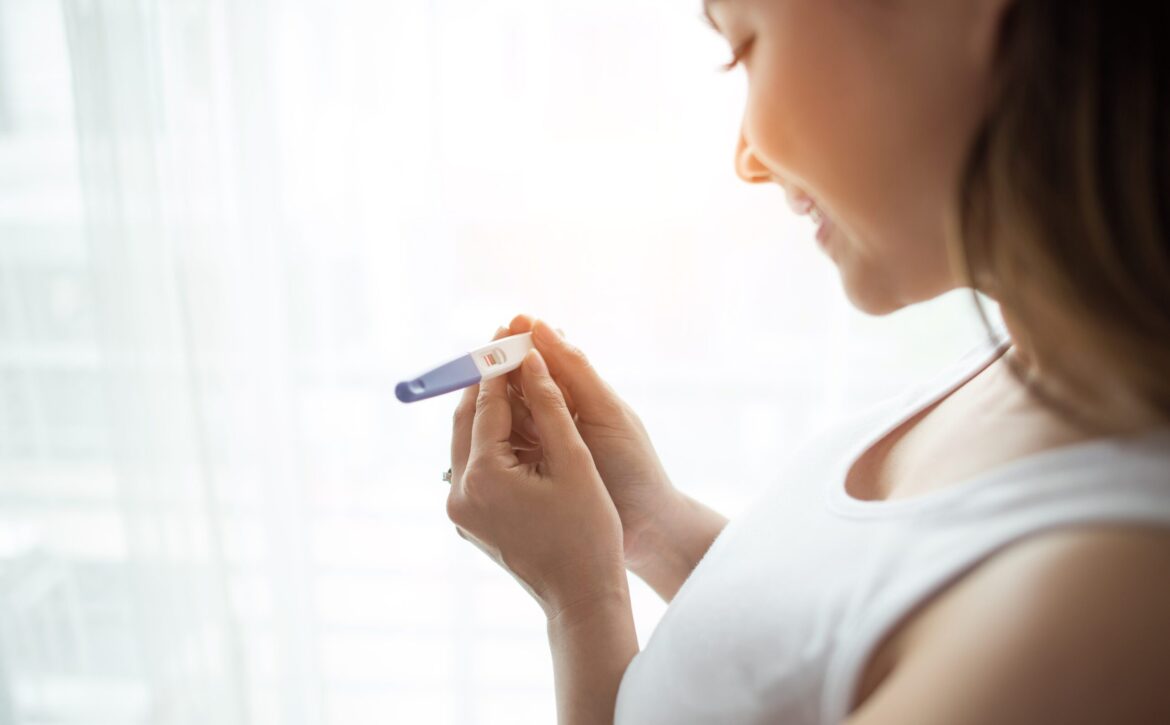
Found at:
(817, 120)
(808, 118)
(827, 120)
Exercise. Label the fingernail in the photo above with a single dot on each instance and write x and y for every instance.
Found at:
(536, 362)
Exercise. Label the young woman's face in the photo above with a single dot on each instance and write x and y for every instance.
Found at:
(866, 109)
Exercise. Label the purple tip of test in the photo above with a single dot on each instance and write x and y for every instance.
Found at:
(459, 373)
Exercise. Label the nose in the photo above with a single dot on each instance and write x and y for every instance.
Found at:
(747, 166)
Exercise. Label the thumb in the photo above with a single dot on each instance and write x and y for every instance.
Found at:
(591, 395)
(562, 444)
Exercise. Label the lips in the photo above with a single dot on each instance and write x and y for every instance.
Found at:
(798, 201)
(804, 205)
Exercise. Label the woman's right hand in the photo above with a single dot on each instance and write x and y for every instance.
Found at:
(621, 448)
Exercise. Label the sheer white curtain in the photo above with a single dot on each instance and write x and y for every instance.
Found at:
(227, 228)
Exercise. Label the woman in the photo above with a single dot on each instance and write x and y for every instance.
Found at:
(991, 547)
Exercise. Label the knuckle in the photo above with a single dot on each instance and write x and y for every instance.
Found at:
(609, 410)
(628, 414)
(474, 478)
(456, 509)
(470, 478)
(480, 491)
(613, 409)
(484, 398)
(577, 355)
(552, 398)
(461, 414)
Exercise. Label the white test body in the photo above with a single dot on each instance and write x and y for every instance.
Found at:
(501, 356)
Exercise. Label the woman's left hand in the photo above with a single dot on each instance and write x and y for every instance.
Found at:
(549, 522)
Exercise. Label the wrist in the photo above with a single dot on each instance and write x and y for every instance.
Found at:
(668, 551)
(587, 607)
(583, 585)
(647, 543)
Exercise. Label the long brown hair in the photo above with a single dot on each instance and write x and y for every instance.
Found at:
(1065, 197)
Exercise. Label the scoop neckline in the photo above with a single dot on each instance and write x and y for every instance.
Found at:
(839, 499)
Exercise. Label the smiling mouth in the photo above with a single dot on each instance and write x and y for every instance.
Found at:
(805, 205)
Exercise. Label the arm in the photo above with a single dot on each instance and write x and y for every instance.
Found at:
(1067, 627)
(668, 550)
(592, 642)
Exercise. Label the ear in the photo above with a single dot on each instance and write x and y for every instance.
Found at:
(986, 23)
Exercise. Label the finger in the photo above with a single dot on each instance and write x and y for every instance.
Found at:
(516, 391)
(524, 439)
(491, 429)
(559, 439)
(568, 395)
(520, 324)
(515, 388)
(523, 323)
(584, 389)
(461, 433)
(522, 421)
(524, 436)
(464, 416)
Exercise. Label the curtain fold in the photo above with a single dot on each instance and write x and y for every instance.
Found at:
(141, 214)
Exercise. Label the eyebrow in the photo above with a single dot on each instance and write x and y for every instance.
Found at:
(707, 5)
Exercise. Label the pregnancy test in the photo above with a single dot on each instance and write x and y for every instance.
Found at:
(484, 363)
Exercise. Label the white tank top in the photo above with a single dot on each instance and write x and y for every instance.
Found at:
(778, 619)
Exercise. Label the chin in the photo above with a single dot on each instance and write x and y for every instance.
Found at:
(879, 300)
(879, 289)
(866, 295)
(872, 304)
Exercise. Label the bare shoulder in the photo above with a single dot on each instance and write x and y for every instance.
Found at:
(1069, 626)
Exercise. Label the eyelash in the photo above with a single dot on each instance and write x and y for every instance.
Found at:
(737, 56)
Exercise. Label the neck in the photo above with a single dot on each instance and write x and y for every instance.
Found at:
(1078, 386)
